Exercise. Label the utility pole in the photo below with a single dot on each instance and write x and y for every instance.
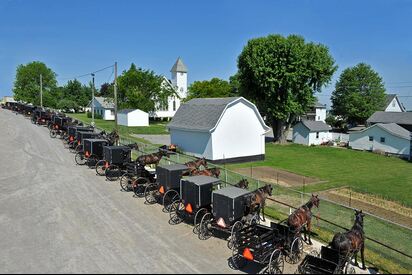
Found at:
(41, 91)
(115, 97)
(93, 100)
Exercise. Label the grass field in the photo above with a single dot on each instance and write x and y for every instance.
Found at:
(388, 177)
(155, 128)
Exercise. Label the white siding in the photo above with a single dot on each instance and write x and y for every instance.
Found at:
(393, 144)
(393, 106)
(122, 119)
(323, 137)
(108, 114)
(196, 143)
(239, 133)
(320, 114)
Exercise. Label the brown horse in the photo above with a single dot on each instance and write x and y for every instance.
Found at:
(243, 183)
(352, 241)
(258, 199)
(196, 164)
(211, 172)
(152, 158)
(301, 218)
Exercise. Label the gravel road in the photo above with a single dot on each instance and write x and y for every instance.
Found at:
(59, 218)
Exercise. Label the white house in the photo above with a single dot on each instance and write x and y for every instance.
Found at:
(309, 132)
(132, 118)
(392, 104)
(220, 129)
(8, 99)
(179, 84)
(389, 138)
(316, 113)
(104, 107)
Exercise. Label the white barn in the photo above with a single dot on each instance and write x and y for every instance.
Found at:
(132, 118)
(386, 137)
(104, 107)
(309, 132)
(220, 129)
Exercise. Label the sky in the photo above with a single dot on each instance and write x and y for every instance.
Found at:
(77, 37)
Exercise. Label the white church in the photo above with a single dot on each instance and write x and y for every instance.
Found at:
(179, 83)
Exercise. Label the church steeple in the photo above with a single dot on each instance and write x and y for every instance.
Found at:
(179, 66)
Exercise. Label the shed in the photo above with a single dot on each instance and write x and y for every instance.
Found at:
(132, 118)
(104, 107)
(220, 129)
(308, 132)
(389, 138)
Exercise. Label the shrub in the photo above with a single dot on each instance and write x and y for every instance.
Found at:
(96, 116)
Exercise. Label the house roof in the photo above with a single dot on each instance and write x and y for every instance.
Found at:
(203, 114)
(105, 102)
(392, 128)
(319, 105)
(316, 126)
(179, 66)
(126, 111)
(403, 118)
(388, 100)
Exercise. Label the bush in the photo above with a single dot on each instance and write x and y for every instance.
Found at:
(96, 116)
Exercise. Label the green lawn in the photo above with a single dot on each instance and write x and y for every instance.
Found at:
(155, 128)
(387, 177)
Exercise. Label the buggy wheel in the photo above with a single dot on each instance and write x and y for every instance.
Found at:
(205, 227)
(237, 259)
(176, 212)
(295, 250)
(101, 167)
(80, 159)
(168, 199)
(66, 145)
(53, 133)
(112, 173)
(126, 182)
(79, 148)
(139, 186)
(196, 222)
(276, 263)
(234, 233)
(151, 193)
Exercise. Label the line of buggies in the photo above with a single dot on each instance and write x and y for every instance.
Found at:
(193, 193)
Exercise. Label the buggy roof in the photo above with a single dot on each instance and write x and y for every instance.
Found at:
(95, 140)
(202, 180)
(173, 167)
(118, 147)
(232, 192)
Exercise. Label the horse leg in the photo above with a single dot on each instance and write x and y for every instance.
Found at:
(263, 212)
(355, 256)
(363, 256)
(309, 229)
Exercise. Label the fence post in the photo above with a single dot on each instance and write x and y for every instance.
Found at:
(258, 183)
(226, 176)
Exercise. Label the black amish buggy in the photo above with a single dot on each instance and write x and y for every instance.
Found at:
(167, 186)
(195, 200)
(136, 178)
(329, 261)
(92, 152)
(72, 130)
(82, 135)
(266, 246)
(114, 162)
(231, 211)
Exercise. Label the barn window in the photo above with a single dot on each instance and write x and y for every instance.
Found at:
(382, 139)
(317, 134)
(370, 138)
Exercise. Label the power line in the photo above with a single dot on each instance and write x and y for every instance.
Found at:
(88, 74)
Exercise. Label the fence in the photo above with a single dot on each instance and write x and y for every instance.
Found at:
(388, 244)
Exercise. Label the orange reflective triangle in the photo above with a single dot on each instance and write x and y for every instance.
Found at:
(189, 208)
(71, 138)
(221, 223)
(247, 254)
(106, 165)
(161, 190)
(87, 154)
(78, 143)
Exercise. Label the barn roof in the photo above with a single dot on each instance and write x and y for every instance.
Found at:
(203, 114)
(404, 118)
(126, 111)
(391, 128)
(316, 126)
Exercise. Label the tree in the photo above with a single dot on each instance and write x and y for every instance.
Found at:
(107, 90)
(142, 89)
(281, 75)
(358, 93)
(27, 83)
(209, 88)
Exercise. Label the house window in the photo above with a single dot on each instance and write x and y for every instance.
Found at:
(181, 74)
(317, 134)
(393, 103)
(382, 139)
(174, 105)
(370, 138)
(318, 118)
(181, 89)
